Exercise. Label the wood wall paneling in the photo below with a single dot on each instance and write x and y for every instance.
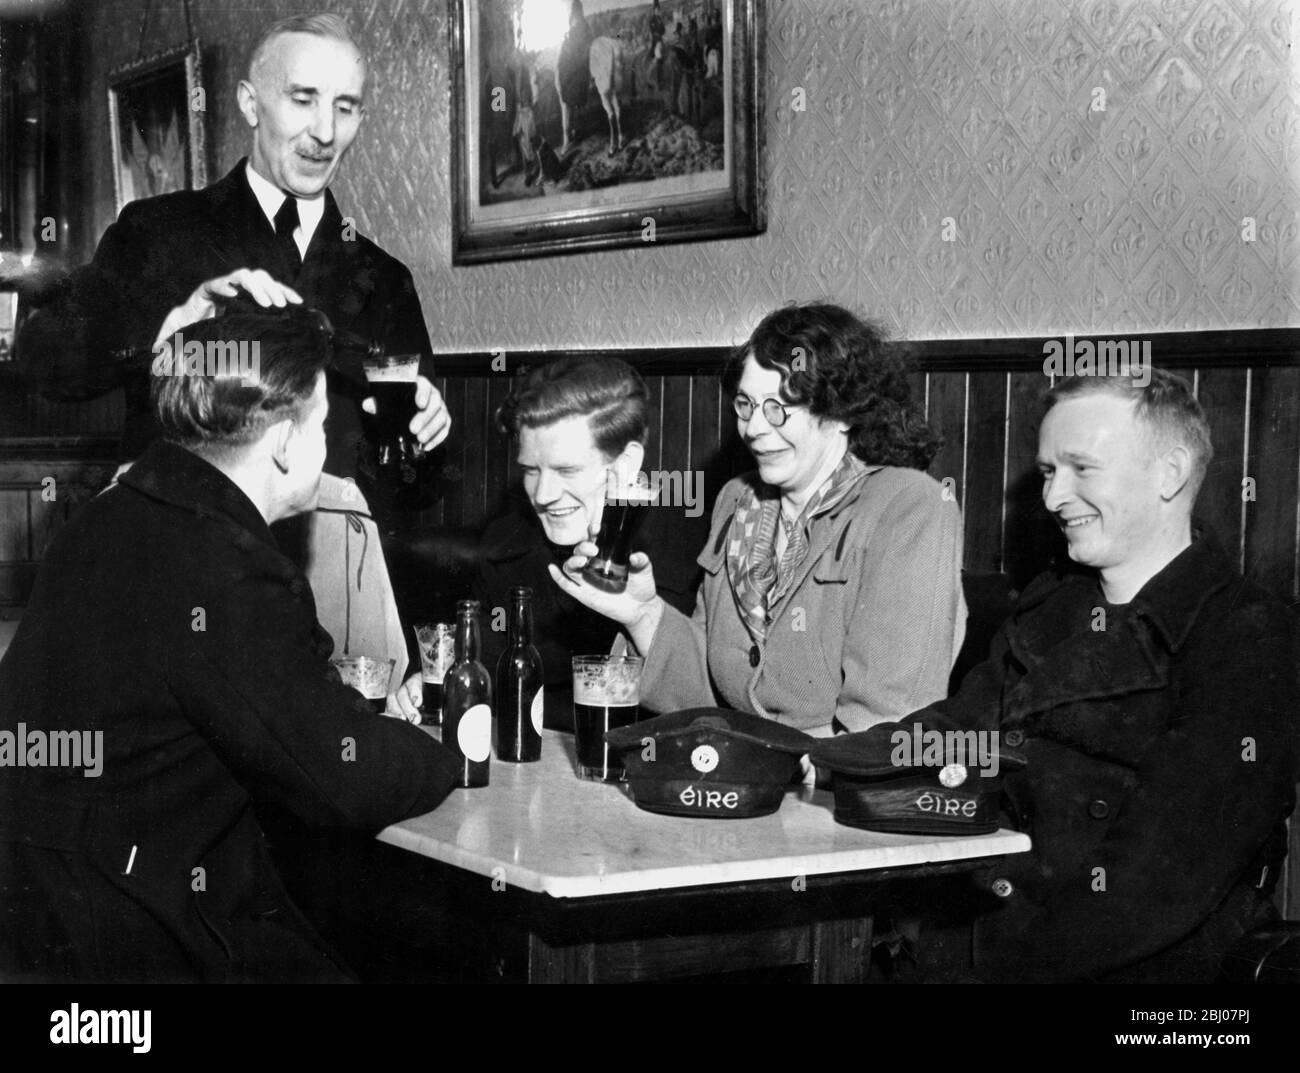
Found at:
(475, 464)
(14, 525)
(500, 451)
(981, 397)
(986, 438)
(706, 419)
(1029, 536)
(988, 417)
(1222, 394)
(675, 427)
(714, 440)
(435, 514)
(458, 445)
(44, 519)
(29, 520)
(1273, 462)
(946, 414)
(654, 404)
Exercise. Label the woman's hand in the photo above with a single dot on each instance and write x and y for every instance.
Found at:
(405, 703)
(637, 608)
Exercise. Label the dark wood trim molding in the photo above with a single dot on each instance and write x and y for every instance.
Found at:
(1237, 348)
(60, 449)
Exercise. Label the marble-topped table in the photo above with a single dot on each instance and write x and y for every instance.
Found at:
(563, 845)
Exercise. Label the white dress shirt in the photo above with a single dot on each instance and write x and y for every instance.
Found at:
(271, 197)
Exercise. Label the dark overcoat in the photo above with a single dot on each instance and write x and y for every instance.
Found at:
(166, 618)
(1161, 740)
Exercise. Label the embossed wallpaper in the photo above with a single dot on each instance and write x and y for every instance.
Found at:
(964, 168)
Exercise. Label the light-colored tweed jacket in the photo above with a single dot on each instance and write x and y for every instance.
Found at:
(868, 631)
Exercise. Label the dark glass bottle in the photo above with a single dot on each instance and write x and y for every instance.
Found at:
(519, 686)
(467, 700)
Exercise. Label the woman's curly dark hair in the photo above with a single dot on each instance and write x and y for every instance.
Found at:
(839, 367)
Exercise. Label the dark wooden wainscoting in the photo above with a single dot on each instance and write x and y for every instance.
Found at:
(983, 396)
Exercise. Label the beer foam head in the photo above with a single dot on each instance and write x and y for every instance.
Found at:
(437, 650)
(366, 674)
(612, 682)
(402, 369)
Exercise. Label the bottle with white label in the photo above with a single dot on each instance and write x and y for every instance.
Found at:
(519, 686)
(467, 701)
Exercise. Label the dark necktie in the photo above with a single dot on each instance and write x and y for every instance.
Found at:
(285, 222)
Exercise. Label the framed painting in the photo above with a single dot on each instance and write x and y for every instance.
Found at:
(592, 124)
(155, 109)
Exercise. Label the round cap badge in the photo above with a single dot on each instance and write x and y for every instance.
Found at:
(953, 775)
(704, 759)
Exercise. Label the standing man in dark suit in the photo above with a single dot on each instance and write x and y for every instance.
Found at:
(271, 229)
(169, 677)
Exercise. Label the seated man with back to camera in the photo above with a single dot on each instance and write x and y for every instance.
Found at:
(1148, 699)
(170, 636)
(572, 421)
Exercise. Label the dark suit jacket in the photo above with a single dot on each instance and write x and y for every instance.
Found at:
(156, 254)
(165, 617)
(515, 551)
(1161, 766)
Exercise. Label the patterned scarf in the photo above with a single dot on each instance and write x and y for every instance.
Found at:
(758, 580)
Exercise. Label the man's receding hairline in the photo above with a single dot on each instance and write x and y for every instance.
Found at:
(257, 62)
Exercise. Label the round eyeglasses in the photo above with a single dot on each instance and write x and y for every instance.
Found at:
(775, 413)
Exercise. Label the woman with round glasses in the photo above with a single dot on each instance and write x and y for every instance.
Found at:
(832, 591)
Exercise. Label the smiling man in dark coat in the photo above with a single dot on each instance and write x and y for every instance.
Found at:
(1153, 695)
(166, 624)
(270, 230)
(571, 423)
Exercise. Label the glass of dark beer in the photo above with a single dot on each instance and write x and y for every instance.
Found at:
(606, 695)
(392, 383)
(368, 675)
(626, 507)
(437, 643)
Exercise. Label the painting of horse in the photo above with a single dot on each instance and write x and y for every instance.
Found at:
(574, 120)
(602, 66)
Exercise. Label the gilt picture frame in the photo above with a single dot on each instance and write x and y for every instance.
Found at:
(156, 111)
(600, 124)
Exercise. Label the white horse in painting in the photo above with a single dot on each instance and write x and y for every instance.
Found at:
(605, 69)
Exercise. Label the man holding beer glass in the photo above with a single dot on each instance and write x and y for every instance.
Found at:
(271, 233)
(579, 427)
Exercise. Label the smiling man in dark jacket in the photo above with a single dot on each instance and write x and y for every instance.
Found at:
(167, 628)
(270, 230)
(1154, 697)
